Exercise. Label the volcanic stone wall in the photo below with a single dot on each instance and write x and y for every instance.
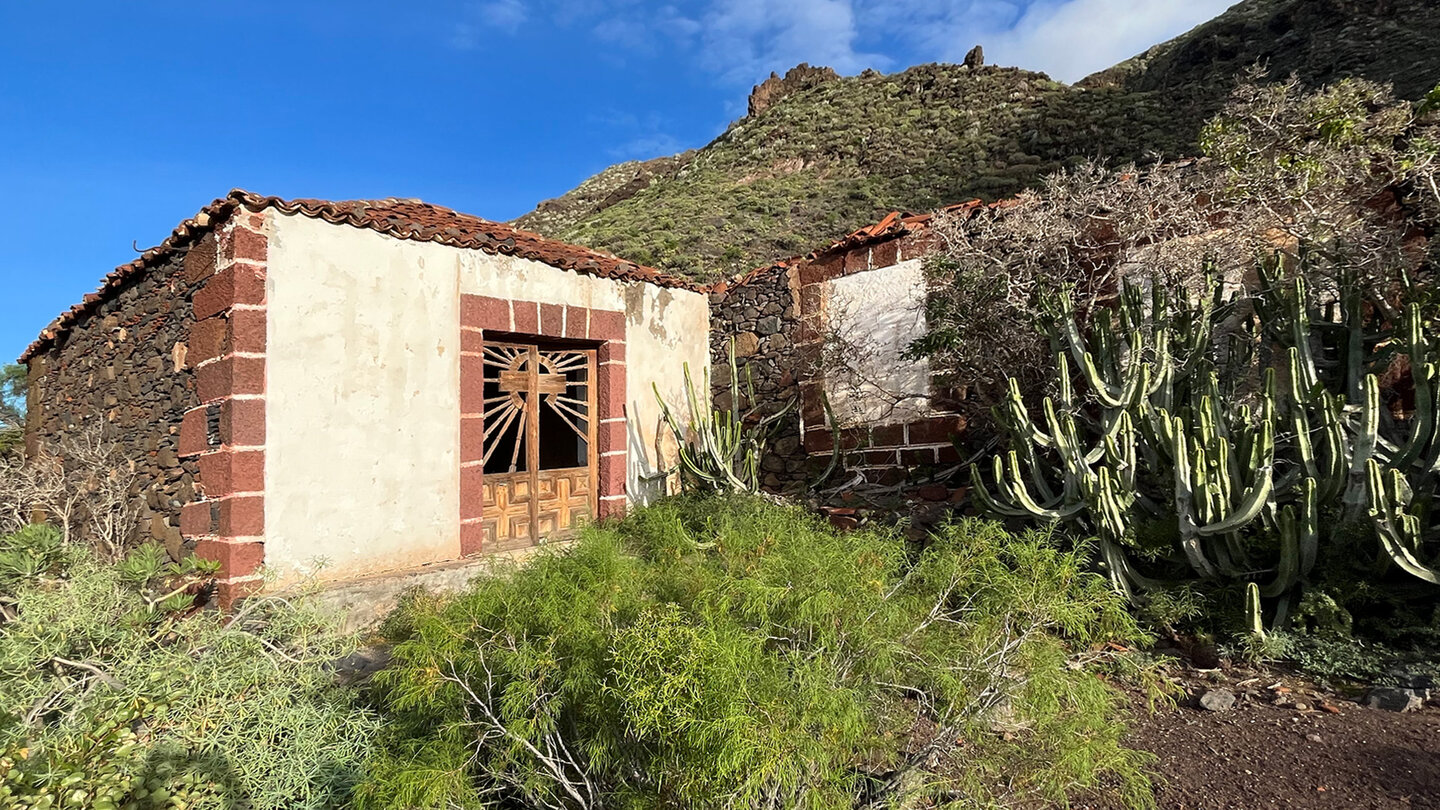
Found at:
(124, 371)
(759, 314)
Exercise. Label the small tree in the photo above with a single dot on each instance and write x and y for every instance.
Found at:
(83, 484)
(13, 384)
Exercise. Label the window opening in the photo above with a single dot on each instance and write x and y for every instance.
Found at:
(536, 396)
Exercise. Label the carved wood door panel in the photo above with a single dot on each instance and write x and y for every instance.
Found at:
(539, 460)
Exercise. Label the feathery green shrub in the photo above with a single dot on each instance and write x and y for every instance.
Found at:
(115, 692)
(727, 652)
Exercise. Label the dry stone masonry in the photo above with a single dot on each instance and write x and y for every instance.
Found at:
(126, 374)
(758, 315)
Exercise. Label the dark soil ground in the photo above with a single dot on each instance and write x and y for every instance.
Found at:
(1288, 744)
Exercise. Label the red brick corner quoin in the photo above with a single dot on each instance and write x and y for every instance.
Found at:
(605, 329)
(226, 432)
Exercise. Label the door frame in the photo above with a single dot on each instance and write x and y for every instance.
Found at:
(499, 319)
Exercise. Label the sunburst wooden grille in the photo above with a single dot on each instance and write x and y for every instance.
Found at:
(518, 375)
(566, 373)
(504, 415)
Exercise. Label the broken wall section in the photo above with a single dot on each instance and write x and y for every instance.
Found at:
(759, 314)
(832, 326)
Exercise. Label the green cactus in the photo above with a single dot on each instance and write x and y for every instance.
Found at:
(1398, 526)
(1254, 621)
(720, 448)
(1236, 436)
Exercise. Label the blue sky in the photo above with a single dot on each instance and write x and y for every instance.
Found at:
(119, 119)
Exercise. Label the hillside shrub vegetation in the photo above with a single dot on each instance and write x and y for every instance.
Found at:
(726, 652)
(835, 157)
(828, 159)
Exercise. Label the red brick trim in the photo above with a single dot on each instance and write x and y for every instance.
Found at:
(226, 433)
(885, 453)
(603, 328)
(613, 433)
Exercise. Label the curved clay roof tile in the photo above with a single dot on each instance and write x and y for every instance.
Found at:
(407, 219)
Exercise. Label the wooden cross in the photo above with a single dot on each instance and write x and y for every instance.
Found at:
(520, 382)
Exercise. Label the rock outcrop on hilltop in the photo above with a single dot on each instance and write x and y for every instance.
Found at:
(801, 77)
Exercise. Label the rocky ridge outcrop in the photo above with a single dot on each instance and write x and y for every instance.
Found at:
(801, 77)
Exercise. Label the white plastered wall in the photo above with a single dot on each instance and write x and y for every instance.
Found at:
(363, 387)
(870, 318)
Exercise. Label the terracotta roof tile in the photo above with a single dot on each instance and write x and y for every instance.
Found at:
(402, 219)
(896, 223)
(423, 222)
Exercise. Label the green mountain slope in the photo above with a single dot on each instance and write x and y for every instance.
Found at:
(1317, 41)
(610, 187)
(826, 160)
(832, 155)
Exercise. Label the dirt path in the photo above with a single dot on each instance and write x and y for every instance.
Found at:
(1262, 755)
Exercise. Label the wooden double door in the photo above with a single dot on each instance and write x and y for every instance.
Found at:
(540, 421)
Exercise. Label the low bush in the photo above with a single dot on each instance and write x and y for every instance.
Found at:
(727, 652)
(117, 690)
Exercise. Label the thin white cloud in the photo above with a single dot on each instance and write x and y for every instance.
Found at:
(1073, 39)
(1068, 39)
(506, 15)
(743, 40)
(740, 42)
(634, 135)
(649, 32)
(645, 147)
(482, 19)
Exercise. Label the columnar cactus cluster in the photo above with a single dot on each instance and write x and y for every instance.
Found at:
(1244, 428)
(720, 448)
